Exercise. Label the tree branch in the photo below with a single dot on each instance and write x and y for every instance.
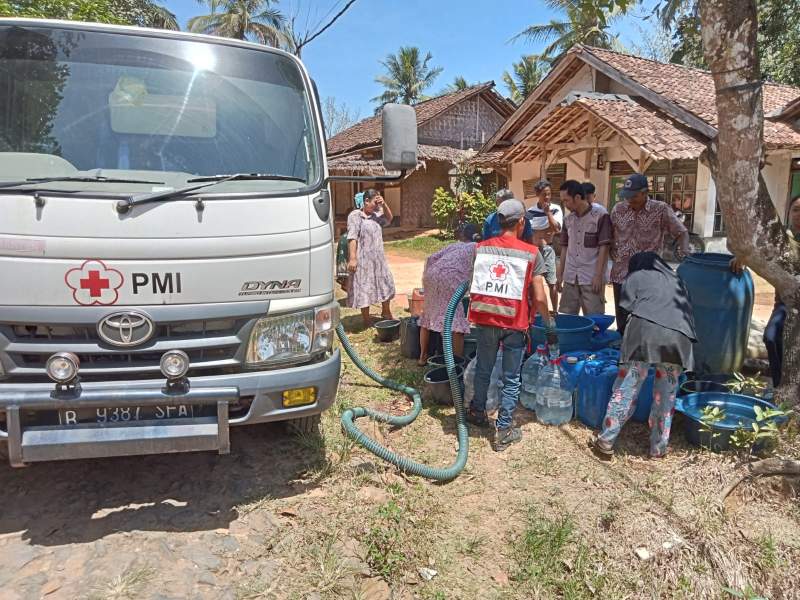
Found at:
(763, 468)
(310, 38)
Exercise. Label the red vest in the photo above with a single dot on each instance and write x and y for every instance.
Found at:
(501, 280)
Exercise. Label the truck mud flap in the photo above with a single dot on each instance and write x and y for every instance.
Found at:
(97, 440)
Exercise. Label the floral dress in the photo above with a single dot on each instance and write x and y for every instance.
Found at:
(444, 272)
(372, 283)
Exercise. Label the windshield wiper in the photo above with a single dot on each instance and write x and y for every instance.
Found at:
(124, 206)
(78, 178)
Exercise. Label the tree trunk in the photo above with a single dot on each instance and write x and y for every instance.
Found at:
(755, 232)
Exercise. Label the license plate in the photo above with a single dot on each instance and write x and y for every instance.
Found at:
(127, 414)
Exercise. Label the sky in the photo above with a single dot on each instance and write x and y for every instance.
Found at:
(466, 37)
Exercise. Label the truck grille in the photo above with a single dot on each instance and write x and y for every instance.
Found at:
(215, 345)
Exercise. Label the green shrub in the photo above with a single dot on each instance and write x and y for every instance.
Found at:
(467, 207)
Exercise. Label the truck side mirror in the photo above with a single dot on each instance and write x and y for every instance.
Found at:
(399, 137)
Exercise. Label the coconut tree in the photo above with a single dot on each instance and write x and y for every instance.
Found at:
(257, 20)
(582, 22)
(526, 75)
(459, 83)
(408, 75)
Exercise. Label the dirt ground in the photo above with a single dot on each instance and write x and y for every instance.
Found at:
(316, 517)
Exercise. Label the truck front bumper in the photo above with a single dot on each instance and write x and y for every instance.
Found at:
(254, 397)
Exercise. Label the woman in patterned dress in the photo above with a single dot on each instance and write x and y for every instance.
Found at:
(660, 333)
(370, 280)
(444, 272)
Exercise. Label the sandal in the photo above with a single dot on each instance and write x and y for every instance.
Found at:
(602, 449)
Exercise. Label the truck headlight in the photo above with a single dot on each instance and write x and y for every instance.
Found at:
(292, 338)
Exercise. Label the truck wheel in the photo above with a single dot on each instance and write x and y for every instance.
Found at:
(304, 426)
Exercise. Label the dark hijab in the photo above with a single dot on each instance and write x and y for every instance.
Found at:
(653, 291)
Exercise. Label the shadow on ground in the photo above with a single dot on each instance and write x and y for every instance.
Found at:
(82, 501)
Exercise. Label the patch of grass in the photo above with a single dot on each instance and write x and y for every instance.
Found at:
(255, 587)
(551, 561)
(385, 540)
(124, 586)
(424, 244)
(472, 545)
(329, 567)
(769, 551)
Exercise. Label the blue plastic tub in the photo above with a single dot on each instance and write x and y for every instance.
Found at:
(605, 339)
(574, 332)
(738, 410)
(602, 322)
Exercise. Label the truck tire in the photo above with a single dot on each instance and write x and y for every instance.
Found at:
(304, 426)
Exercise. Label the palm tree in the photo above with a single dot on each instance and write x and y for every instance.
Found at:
(583, 22)
(145, 13)
(527, 73)
(459, 83)
(407, 76)
(161, 18)
(242, 19)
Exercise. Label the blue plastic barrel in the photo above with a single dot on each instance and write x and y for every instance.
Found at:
(723, 307)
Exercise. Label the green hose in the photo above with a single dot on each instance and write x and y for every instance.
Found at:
(406, 464)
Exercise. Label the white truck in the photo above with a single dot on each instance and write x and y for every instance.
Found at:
(166, 251)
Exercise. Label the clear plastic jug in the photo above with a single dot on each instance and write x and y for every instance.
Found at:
(530, 376)
(553, 394)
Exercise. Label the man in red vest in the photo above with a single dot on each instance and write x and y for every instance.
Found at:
(506, 283)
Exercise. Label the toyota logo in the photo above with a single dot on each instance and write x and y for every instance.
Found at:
(126, 329)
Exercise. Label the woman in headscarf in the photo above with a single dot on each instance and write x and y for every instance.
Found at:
(444, 272)
(660, 333)
(370, 281)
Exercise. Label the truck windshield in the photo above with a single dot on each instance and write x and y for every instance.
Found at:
(136, 107)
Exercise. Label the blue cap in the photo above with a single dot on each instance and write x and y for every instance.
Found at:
(633, 185)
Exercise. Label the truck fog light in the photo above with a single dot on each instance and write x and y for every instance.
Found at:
(174, 364)
(299, 397)
(63, 367)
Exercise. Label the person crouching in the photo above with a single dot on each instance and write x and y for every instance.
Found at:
(507, 278)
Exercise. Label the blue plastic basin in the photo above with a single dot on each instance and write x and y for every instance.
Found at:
(574, 332)
(602, 322)
(739, 412)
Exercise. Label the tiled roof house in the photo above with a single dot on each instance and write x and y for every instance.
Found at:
(600, 115)
(447, 127)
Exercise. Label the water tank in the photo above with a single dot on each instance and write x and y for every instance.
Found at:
(723, 307)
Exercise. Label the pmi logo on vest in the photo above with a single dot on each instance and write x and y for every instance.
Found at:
(497, 276)
(501, 277)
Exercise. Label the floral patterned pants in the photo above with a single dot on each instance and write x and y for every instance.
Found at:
(625, 393)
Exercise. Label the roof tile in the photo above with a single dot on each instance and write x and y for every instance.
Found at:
(693, 90)
(368, 131)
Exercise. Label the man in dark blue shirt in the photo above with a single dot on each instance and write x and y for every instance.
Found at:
(491, 226)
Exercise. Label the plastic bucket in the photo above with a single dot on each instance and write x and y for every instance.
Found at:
(388, 330)
(574, 332)
(437, 385)
(438, 361)
(409, 337)
(602, 322)
(416, 301)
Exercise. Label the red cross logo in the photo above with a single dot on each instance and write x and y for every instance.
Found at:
(94, 284)
(499, 270)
